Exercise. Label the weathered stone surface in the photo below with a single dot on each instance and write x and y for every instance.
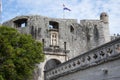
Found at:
(106, 71)
(85, 35)
(101, 63)
(72, 38)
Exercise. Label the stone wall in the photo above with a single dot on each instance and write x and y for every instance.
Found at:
(40, 68)
(72, 40)
(107, 71)
(79, 37)
(101, 63)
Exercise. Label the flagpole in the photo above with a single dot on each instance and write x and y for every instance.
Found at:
(63, 14)
(65, 8)
(63, 11)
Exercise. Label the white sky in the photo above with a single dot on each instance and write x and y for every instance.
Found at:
(81, 9)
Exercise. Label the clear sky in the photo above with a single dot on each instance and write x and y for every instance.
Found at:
(81, 9)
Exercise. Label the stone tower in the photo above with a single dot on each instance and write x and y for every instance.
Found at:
(63, 39)
(104, 17)
(105, 22)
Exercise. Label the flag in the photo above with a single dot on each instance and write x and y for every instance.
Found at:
(65, 8)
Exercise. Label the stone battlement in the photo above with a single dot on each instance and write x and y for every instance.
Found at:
(102, 54)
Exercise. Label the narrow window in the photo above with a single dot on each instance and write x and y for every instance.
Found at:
(71, 29)
(43, 42)
(65, 46)
(96, 33)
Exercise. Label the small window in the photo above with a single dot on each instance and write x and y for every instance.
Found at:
(71, 29)
(53, 25)
(23, 25)
(43, 42)
(96, 33)
(20, 23)
(105, 15)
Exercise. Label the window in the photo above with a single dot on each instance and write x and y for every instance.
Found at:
(96, 33)
(23, 25)
(54, 39)
(20, 23)
(53, 25)
(71, 29)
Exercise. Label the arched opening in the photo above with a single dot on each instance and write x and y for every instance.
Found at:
(50, 64)
(20, 23)
(53, 25)
(71, 29)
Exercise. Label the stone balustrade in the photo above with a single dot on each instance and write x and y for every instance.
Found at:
(99, 55)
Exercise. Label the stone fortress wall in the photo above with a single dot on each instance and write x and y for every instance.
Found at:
(62, 39)
(79, 37)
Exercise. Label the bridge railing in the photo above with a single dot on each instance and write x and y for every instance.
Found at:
(104, 53)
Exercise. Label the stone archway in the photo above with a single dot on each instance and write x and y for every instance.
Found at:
(52, 63)
(54, 59)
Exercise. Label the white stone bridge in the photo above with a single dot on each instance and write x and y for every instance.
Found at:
(101, 63)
